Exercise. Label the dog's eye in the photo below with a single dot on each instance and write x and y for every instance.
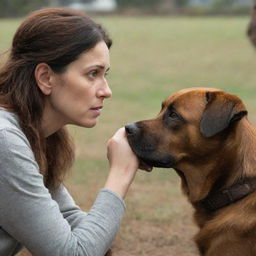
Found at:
(173, 115)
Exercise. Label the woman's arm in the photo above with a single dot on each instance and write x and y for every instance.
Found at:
(70, 211)
(30, 215)
(123, 166)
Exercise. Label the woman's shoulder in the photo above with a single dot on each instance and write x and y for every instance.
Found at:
(8, 120)
(15, 150)
(10, 131)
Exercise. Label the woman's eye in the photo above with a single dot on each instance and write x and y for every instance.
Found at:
(93, 74)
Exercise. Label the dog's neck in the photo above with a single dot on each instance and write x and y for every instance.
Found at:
(246, 152)
(239, 163)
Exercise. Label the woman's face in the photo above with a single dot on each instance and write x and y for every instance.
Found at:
(78, 94)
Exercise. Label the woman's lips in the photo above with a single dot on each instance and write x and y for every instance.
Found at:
(96, 110)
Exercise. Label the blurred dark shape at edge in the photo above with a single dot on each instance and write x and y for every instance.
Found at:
(251, 31)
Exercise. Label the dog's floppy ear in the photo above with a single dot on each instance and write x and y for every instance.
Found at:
(221, 111)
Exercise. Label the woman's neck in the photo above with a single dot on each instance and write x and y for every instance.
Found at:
(51, 122)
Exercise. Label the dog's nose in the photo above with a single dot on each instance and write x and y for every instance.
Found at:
(131, 129)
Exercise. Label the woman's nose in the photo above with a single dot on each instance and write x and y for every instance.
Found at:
(104, 91)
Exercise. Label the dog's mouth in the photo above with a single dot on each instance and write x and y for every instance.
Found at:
(145, 166)
(151, 158)
(166, 161)
(146, 148)
(144, 163)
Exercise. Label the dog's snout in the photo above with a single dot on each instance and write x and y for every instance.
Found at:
(131, 129)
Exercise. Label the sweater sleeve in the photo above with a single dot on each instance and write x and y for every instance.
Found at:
(72, 212)
(48, 224)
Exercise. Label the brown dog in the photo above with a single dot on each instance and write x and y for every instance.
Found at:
(204, 134)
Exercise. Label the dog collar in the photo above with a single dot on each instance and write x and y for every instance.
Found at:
(230, 195)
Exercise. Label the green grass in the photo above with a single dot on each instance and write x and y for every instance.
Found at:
(8, 27)
(151, 58)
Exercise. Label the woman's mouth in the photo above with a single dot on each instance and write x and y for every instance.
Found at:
(97, 110)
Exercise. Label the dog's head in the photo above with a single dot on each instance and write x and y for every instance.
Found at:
(193, 124)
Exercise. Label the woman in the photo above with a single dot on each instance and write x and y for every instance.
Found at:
(54, 76)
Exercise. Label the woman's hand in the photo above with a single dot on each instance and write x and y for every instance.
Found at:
(123, 164)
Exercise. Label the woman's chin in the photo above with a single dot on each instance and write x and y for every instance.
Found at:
(89, 124)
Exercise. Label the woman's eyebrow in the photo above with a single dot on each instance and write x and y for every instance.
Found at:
(103, 67)
(98, 66)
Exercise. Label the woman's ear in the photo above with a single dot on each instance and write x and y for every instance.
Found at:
(43, 74)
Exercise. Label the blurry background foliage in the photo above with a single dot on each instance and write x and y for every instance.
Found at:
(12, 8)
(15, 8)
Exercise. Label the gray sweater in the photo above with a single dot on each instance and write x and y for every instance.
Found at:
(47, 223)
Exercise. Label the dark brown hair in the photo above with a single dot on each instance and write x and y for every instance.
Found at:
(56, 37)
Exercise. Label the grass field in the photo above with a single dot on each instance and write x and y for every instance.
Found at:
(151, 58)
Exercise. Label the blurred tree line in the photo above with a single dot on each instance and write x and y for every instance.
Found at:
(174, 4)
(151, 3)
(20, 7)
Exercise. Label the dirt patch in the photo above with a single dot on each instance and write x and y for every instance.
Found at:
(158, 239)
